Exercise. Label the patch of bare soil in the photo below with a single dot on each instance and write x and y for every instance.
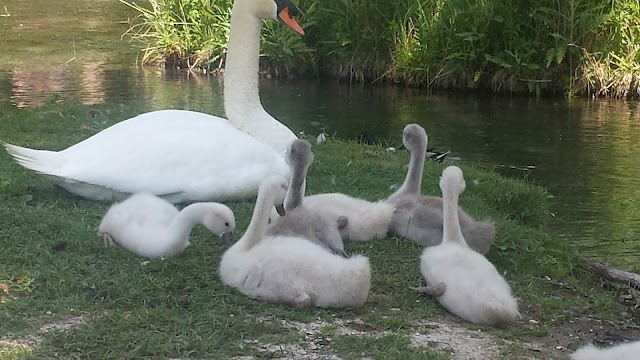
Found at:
(30, 341)
(463, 341)
(576, 327)
(444, 335)
(316, 344)
(441, 333)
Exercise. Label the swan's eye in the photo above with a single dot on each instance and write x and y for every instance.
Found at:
(226, 223)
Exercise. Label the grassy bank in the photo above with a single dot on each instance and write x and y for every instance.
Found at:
(54, 271)
(575, 47)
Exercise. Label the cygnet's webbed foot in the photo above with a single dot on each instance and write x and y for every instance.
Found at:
(108, 239)
(434, 290)
(342, 222)
(302, 301)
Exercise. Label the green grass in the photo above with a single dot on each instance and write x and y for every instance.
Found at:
(179, 308)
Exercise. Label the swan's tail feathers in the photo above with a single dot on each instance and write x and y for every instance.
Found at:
(41, 161)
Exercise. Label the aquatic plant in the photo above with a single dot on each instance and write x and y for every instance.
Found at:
(572, 47)
(181, 33)
(194, 34)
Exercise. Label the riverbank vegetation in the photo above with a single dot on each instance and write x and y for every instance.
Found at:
(64, 295)
(573, 47)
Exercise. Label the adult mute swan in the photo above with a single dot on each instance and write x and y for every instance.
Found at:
(291, 270)
(185, 155)
(419, 218)
(151, 227)
(469, 285)
(301, 221)
(628, 351)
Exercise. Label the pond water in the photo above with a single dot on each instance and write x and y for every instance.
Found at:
(584, 151)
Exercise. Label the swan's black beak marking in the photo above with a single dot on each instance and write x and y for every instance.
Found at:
(286, 11)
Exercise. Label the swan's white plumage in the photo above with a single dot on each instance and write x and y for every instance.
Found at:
(475, 291)
(291, 270)
(241, 97)
(294, 271)
(151, 227)
(629, 351)
(182, 155)
(179, 155)
(367, 220)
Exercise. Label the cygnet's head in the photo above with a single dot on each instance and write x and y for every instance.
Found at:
(219, 219)
(299, 154)
(281, 10)
(452, 181)
(414, 138)
(276, 186)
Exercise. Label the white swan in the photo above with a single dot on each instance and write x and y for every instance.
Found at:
(300, 220)
(151, 227)
(469, 285)
(291, 270)
(629, 351)
(184, 155)
(419, 218)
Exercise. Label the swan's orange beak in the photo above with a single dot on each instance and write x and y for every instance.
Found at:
(286, 18)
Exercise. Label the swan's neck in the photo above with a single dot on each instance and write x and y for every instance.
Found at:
(413, 181)
(241, 99)
(258, 225)
(451, 230)
(180, 227)
(295, 193)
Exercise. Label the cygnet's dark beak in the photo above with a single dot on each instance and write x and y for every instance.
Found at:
(280, 209)
(227, 238)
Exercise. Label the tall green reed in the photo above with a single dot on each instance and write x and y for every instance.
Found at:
(573, 47)
(195, 33)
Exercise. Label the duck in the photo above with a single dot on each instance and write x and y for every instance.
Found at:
(151, 227)
(431, 153)
(300, 220)
(290, 270)
(179, 155)
(628, 351)
(463, 280)
(419, 218)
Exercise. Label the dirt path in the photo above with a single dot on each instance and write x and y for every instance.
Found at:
(443, 332)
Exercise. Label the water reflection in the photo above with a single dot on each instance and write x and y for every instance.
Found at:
(33, 87)
(584, 151)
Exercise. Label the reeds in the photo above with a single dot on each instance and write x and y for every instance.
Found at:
(575, 47)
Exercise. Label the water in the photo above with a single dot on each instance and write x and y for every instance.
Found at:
(585, 151)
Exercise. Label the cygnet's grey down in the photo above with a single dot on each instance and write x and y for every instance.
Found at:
(419, 218)
(301, 221)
